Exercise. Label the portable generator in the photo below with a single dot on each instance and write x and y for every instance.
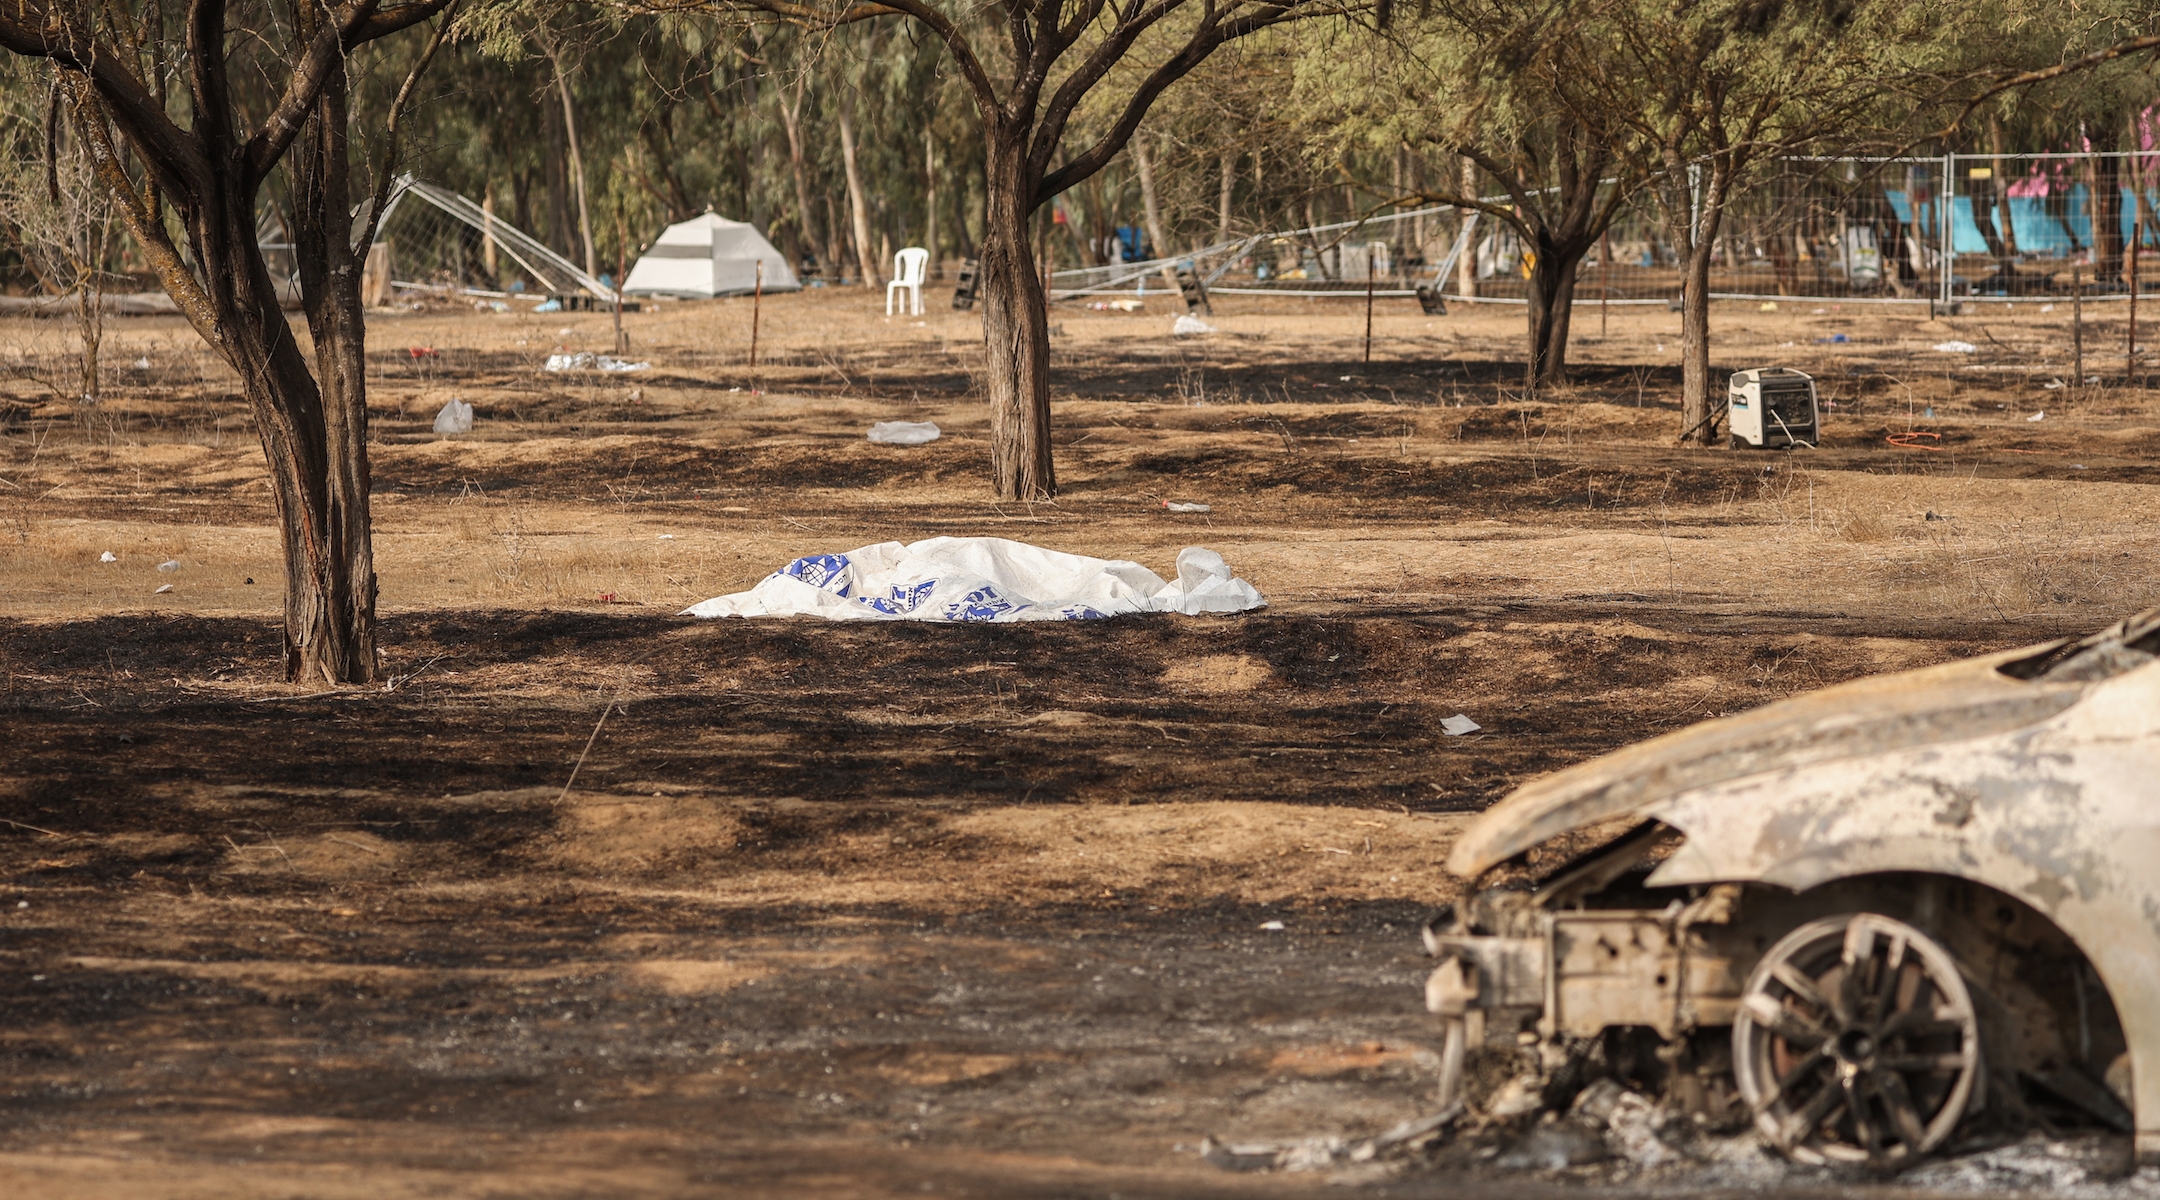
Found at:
(1772, 406)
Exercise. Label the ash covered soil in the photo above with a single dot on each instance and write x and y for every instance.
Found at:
(833, 909)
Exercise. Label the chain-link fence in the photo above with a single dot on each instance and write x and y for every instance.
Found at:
(1946, 230)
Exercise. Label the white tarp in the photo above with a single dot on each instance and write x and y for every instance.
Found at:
(983, 579)
(709, 256)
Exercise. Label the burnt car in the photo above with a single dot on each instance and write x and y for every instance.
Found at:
(1862, 919)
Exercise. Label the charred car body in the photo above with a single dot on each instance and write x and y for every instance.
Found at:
(1858, 918)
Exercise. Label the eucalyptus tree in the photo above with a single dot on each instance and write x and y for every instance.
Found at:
(1028, 66)
(1713, 88)
(258, 85)
(1524, 94)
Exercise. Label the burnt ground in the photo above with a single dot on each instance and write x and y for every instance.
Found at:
(905, 909)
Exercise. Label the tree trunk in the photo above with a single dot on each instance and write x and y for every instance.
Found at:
(1466, 266)
(932, 235)
(791, 121)
(1223, 193)
(1151, 208)
(858, 204)
(2107, 231)
(1016, 326)
(330, 584)
(1550, 309)
(577, 171)
(1693, 218)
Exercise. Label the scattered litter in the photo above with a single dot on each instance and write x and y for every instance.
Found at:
(1910, 439)
(2077, 466)
(1117, 305)
(1661, 347)
(1767, 306)
(550, 306)
(162, 590)
(1932, 515)
(1184, 507)
(2038, 416)
(2054, 385)
(498, 306)
(1567, 1143)
(169, 565)
(455, 417)
(1835, 339)
(2047, 308)
(2091, 379)
(734, 389)
(108, 556)
(1458, 725)
(142, 364)
(607, 597)
(423, 352)
(637, 395)
(1321, 1153)
(904, 433)
(667, 537)
(586, 360)
(1271, 924)
(1817, 311)
(1955, 347)
(1188, 324)
(984, 579)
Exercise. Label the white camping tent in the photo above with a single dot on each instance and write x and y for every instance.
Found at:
(709, 256)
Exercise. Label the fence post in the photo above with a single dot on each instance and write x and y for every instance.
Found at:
(1946, 199)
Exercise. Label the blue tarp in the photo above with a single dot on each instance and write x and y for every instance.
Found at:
(2036, 230)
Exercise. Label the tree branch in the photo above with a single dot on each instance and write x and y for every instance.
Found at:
(365, 237)
(325, 53)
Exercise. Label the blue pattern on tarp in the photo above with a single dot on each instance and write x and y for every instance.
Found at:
(1080, 612)
(903, 599)
(828, 572)
(982, 604)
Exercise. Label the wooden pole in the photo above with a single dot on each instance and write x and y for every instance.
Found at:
(1604, 303)
(622, 256)
(2077, 324)
(757, 302)
(2137, 235)
(1368, 304)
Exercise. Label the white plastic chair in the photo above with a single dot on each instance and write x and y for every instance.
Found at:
(909, 268)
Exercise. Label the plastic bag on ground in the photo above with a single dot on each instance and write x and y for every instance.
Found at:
(904, 433)
(983, 579)
(455, 417)
(1955, 347)
(1188, 325)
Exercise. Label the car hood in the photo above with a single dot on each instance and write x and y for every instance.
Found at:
(1952, 702)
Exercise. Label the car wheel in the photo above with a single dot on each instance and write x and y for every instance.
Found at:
(1857, 1041)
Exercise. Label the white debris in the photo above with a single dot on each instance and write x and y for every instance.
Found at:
(1631, 1131)
(161, 591)
(169, 565)
(1458, 725)
(2053, 385)
(905, 433)
(585, 360)
(455, 417)
(1271, 924)
(2038, 416)
(1954, 347)
(1188, 325)
(142, 364)
(1184, 507)
(108, 556)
